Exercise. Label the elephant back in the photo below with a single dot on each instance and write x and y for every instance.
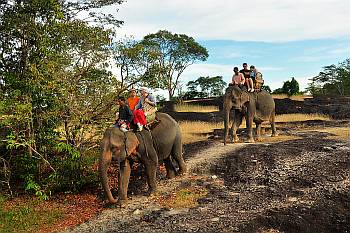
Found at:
(264, 103)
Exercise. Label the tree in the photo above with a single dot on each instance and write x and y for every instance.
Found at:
(289, 87)
(172, 53)
(205, 87)
(334, 79)
(52, 77)
(266, 88)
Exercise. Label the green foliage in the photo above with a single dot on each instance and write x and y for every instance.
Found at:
(53, 86)
(204, 87)
(266, 88)
(289, 87)
(333, 80)
(31, 185)
(72, 172)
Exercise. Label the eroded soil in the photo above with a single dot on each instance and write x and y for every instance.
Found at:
(298, 185)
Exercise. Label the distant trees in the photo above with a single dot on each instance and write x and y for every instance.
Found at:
(333, 80)
(266, 88)
(289, 87)
(204, 87)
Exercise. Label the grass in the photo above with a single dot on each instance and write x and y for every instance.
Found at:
(294, 97)
(26, 216)
(301, 117)
(195, 108)
(184, 198)
(194, 131)
(342, 133)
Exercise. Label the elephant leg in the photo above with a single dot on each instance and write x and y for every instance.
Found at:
(123, 182)
(273, 126)
(249, 122)
(151, 170)
(170, 169)
(258, 132)
(237, 121)
(177, 153)
(227, 109)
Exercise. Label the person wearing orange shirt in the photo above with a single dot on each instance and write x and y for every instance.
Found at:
(133, 99)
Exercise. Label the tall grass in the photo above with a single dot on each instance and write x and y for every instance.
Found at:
(301, 117)
(195, 108)
(194, 131)
(293, 97)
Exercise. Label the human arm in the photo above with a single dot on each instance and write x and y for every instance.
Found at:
(151, 100)
(139, 104)
(130, 116)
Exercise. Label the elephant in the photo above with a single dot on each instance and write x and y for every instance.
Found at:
(161, 143)
(256, 106)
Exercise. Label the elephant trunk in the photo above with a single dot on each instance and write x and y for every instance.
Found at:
(103, 166)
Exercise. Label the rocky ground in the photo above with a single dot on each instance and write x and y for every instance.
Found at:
(298, 183)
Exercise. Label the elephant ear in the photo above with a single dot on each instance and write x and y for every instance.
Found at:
(131, 143)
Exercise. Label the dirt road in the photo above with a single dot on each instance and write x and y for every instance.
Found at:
(297, 185)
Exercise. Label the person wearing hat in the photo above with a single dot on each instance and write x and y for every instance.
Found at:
(133, 99)
(144, 108)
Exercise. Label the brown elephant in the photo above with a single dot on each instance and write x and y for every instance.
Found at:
(162, 143)
(256, 107)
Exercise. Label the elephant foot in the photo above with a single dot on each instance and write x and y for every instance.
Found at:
(151, 192)
(236, 140)
(250, 140)
(122, 203)
(182, 171)
(170, 175)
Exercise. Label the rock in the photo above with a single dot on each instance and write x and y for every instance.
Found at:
(137, 212)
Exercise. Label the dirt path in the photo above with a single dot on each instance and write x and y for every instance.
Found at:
(298, 185)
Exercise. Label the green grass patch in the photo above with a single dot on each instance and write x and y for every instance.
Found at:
(184, 198)
(26, 215)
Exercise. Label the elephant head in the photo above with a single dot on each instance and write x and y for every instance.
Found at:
(120, 145)
(237, 97)
(234, 98)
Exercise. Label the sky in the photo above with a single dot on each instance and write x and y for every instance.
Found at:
(282, 38)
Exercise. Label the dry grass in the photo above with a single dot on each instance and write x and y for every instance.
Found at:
(294, 97)
(301, 117)
(342, 133)
(194, 131)
(195, 108)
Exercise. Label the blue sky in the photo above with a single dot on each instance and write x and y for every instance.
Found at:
(282, 38)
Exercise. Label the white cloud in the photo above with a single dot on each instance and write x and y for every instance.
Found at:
(252, 20)
(197, 70)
